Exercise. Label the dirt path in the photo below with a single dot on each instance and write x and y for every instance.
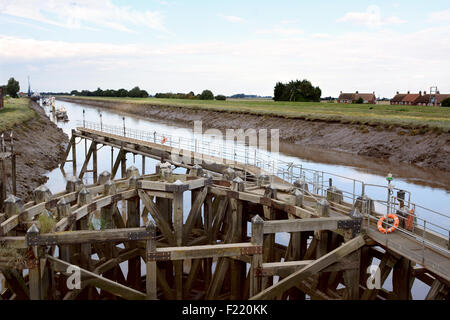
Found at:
(398, 145)
(39, 146)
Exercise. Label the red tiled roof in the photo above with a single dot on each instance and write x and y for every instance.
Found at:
(346, 96)
(365, 96)
(411, 97)
(356, 96)
(398, 97)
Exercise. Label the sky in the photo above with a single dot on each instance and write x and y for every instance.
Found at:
(226, 46)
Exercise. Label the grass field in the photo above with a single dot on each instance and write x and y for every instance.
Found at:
(14, 112)
(412, 117)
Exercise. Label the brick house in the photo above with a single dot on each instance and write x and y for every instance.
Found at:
(398, 98)
(432, 100)
(419, 99)
(353, 97)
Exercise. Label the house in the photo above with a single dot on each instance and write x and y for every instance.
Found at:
(353, 97)
(398, 98)
(419, 99)
(410, 98)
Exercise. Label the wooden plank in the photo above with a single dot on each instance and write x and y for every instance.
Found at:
(311, 269)
(298, 225)
(436, 287)
(99, 281)
(92, 236)
(209, 251)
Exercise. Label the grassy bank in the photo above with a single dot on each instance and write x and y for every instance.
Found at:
(384, 115)
(15, 111)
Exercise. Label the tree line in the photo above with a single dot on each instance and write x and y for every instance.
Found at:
(136, 92)
(302, 91)
(205, 95)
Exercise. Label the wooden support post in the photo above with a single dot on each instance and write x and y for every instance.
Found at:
(178, 228)
(117, 163)
(143, 165)
(3, 183)
(151, 273)
(106, 216)
(322, 210)
(84, 198)
(401, 279)
(74, 155)
(13, 173)
(123, 164)
(86, 160)
(237, 267)
(94, 163)
(269, 240)
(34, 272)
(257, 259)
(134, 264)
(208, 215)
(64, 210)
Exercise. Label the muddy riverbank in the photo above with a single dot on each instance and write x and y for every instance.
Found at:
(39, 145)
(424, 158)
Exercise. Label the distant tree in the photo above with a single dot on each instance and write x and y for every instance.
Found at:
(12, 87)
(143, 94)
(359, 101)
(190, 95)
(74, 92)
(221, 97)
(296, 91)
(135, 92)
(278, 92)
(122, 93)
(445, 102)
(207, 95)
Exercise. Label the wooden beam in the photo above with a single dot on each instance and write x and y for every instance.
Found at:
(161, 223)
(99, 281)
(298, 225)
(311, 269)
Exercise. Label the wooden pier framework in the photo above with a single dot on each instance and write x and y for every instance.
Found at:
(224, 247)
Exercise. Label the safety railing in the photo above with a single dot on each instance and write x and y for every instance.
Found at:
(319, 181)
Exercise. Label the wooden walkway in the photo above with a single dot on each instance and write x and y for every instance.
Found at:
(224, 248)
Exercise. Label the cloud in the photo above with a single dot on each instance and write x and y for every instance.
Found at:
(440, 16)
(281, 31)
(82, 14)
(371, 18)
(381, 61)
(321, 35)
(233, 19)
(289, 21)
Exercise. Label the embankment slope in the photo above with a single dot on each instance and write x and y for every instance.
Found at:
(39, 145)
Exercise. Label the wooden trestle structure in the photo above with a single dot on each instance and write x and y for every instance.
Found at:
(225, 247)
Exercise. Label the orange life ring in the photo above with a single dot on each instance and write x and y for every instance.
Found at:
(391, 229)
(164, 139)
